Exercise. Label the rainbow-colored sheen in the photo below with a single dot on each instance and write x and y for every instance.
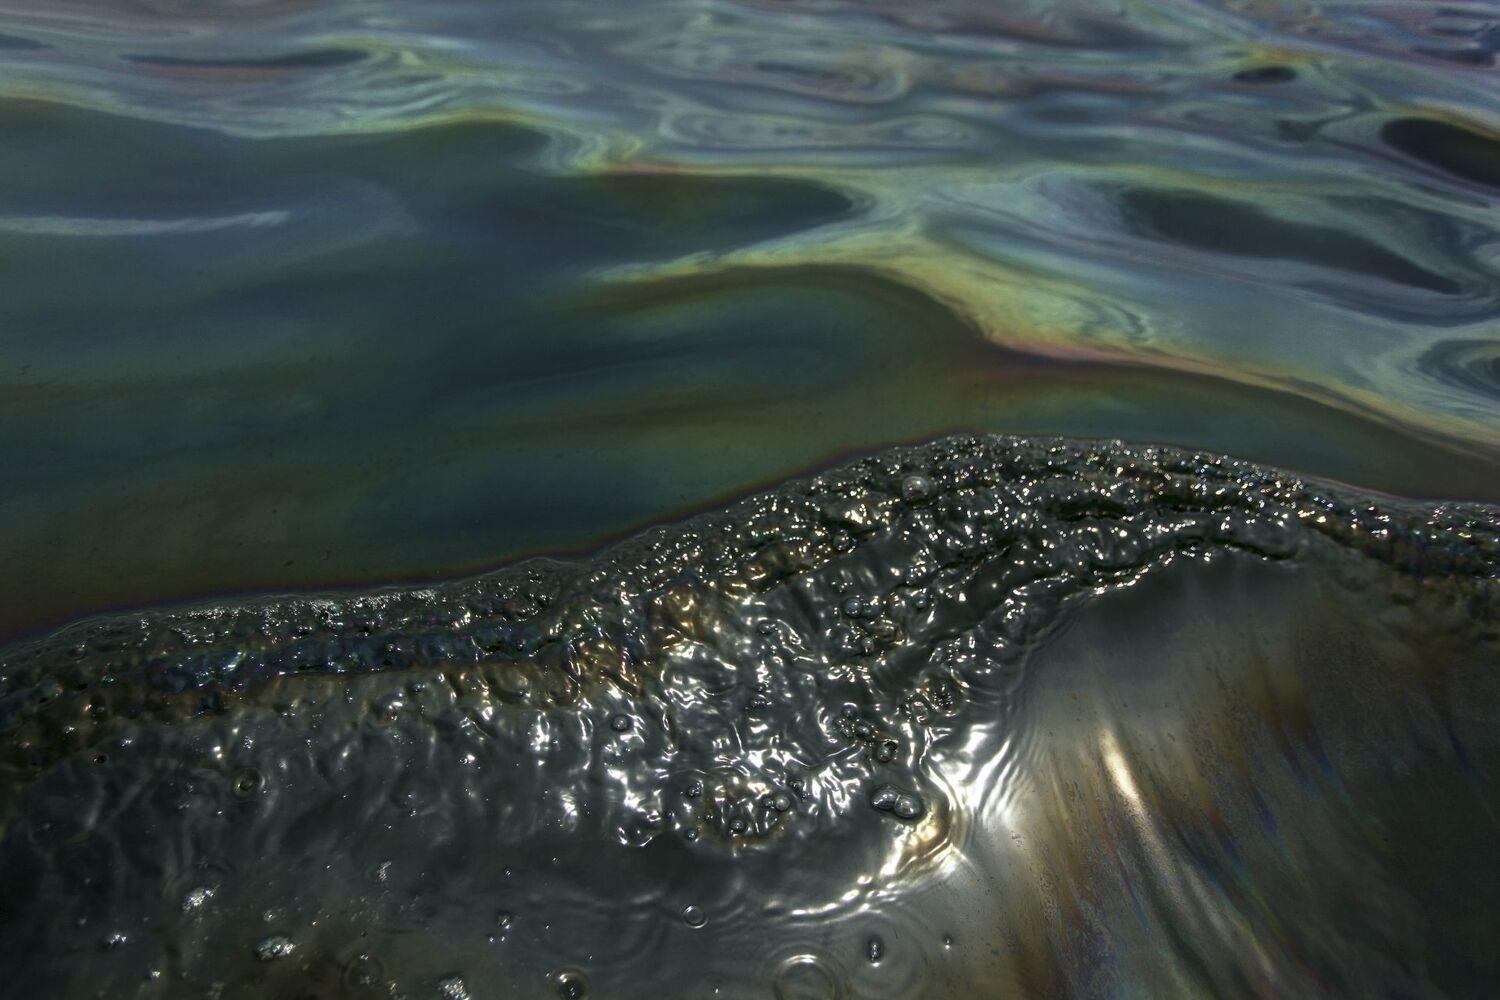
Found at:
(312, 294)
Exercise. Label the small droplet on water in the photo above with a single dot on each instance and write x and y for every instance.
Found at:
(619, 723)
(875, 950)
(781, 802)
(693, 916)
(276, 946)
(909, 806)
(114, 939)
(915, 488)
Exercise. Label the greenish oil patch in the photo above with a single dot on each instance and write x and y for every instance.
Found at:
(334, 300)
(692, 392)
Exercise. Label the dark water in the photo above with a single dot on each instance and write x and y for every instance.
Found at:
(990, 718)
(303, 297)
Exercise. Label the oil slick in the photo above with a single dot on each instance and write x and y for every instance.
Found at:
(300, 296)
(1265, 229)
(989, 716)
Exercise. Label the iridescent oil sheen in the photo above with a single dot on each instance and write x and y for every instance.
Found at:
(320, 319)
(315, 294)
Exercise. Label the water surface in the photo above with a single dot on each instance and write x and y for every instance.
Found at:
(313, 294)
(990, 717)
(312, 314)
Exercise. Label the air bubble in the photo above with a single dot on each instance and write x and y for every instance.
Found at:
(363, 970)
(916, 488)
(781, 802)
(276, 946)
(905, 805)
(875, 949)
(803, 977)
(452, 988)
(388, 710)
(620, 723)
(693, 916)
(570, 985)
(247, 783)
(196, 898)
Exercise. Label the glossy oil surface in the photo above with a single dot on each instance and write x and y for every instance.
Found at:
(312, 314)
(314, 294)
(990, 717)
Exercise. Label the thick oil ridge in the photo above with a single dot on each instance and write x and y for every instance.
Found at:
(991, 716)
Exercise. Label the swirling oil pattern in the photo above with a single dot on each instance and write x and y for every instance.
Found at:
(633, 498)
(989, 717)
(310, 294)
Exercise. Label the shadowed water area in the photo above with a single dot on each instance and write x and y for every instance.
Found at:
(313, 314)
